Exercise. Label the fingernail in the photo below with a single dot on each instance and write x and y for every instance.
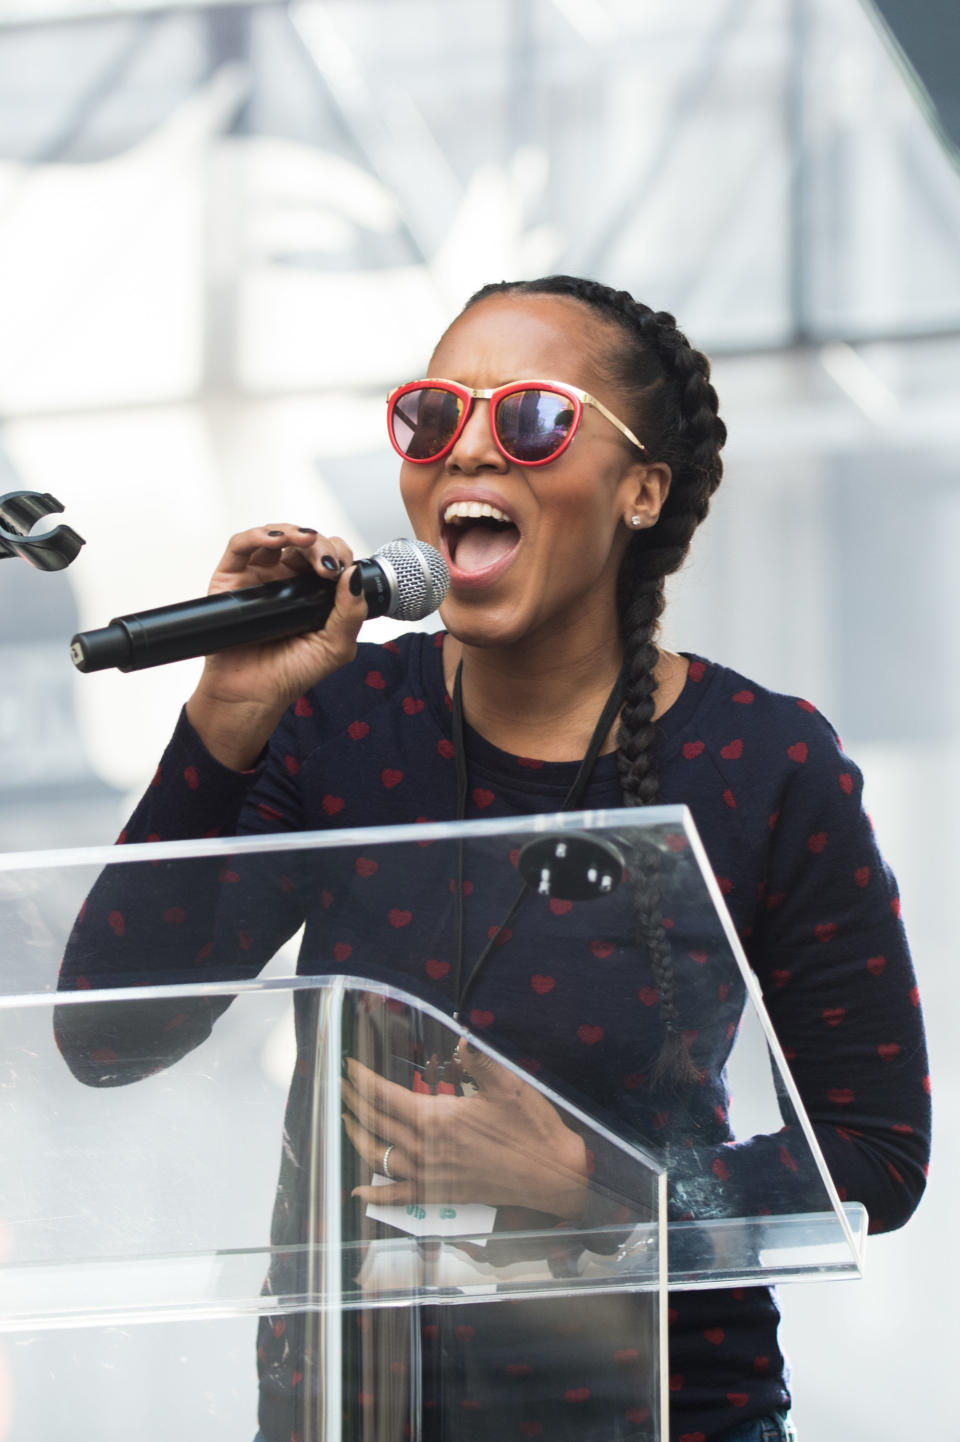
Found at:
(329, 561)
(356, 582)
(307, 530)
(274, 533)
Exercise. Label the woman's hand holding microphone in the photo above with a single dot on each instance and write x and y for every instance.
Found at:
(243, 691)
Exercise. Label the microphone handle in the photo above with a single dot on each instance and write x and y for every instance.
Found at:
(200, 627)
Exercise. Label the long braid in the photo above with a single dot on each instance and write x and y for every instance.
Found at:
(676, 413)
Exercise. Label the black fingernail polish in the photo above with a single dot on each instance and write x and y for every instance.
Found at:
(356, 583)
(330, 563)
(274, 533)
(307, 530)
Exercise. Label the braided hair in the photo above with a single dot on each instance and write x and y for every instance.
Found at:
(675, 410)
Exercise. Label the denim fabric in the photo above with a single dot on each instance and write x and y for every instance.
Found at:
(775, 1428)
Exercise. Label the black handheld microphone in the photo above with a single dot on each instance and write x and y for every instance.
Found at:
(404, 579)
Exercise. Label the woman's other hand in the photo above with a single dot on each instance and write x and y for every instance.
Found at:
(244, 690)
(503, 1145)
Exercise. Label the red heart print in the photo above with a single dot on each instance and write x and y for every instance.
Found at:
(806, 705)
(833, 1015)
(720, 1170)
(915, 996)
(761, 1364)
(390, 778)
(436, 969)
(697, 670)
(888, 1050)
(817, 842)
(116, 923)
(639, 1415)
(482, 797)
(846, 782)
(876, 964)
(576, 1394)
(332, 804)
(737, 1399)
(840, 1096)
(743, 698)
(895, 906)
(366, 866)
(798, 751)
(626, 1354)
(303, 707)
(357, 730)
(192, 777)
(648, 995)
(342, 951)
(292, 765)
(464, 1334)
(413, 705)
(861, 877)
(445, 748)
(559, 907)
(480, 1018)
(699, 957)
(825, 930)
(175, 915)
(634, 1080)
(590, 1035)
(398, 918)
(692, 749)
(729, 799)
(601, 949)
(715, 1335)
(733, 751)
(542, 984)
(725, 885)
(375, 681)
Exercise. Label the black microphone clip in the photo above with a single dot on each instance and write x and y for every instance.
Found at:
(19, 513)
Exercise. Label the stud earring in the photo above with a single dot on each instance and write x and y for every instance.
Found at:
(636, 521)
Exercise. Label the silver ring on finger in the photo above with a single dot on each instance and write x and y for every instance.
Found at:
(385, 1164)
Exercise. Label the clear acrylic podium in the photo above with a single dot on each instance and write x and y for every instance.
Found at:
(150, 1093)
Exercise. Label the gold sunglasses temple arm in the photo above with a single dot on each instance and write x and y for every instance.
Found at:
(591, 400)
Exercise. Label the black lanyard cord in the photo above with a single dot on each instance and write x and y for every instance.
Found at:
(570, 802)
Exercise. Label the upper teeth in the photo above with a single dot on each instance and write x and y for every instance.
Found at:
(471, 510)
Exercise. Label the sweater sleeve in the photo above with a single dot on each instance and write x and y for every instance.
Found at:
(829, 949)
(177, 922)
(832, 957)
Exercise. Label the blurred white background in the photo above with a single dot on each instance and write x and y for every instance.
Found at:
(226, 230)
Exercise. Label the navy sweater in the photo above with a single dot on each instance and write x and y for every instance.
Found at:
(777, 804)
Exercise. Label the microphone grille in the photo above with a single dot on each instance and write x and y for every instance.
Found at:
(420, 575)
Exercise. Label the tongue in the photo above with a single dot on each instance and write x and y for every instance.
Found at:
(479, 546)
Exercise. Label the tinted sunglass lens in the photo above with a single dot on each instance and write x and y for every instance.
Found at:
(424, 421)
(533, 425)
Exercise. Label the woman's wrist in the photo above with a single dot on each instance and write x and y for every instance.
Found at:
(234, 732)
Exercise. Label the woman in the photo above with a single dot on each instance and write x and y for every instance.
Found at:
(560, 509)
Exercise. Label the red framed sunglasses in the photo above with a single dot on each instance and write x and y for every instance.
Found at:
(532, 422)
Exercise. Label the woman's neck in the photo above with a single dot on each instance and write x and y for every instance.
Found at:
(543, 705)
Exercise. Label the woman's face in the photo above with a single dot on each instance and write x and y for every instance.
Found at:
(550, 574)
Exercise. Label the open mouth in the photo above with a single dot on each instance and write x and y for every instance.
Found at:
(477, 535)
